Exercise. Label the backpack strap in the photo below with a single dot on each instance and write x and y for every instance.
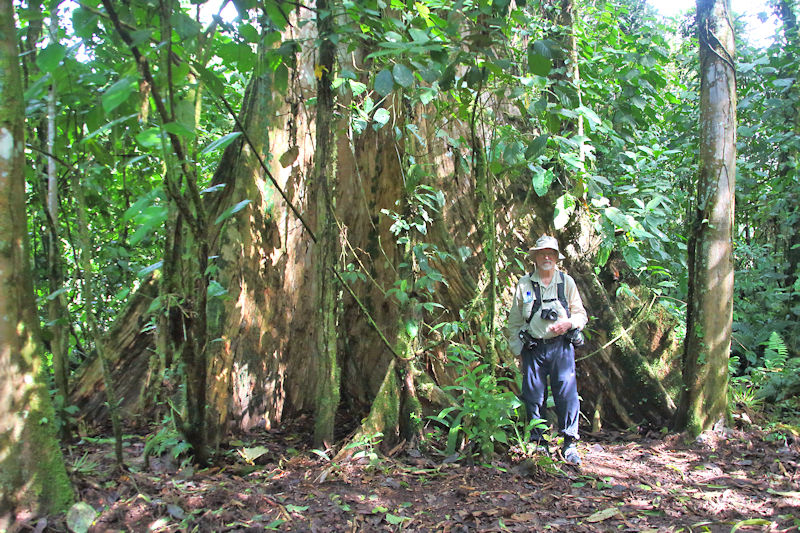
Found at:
(562, 297)
(537, 293)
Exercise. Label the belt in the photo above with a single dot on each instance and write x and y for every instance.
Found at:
(551, 340)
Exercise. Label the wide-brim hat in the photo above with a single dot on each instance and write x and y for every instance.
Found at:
(547, 242)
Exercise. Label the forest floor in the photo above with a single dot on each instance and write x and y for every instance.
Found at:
(725, 481)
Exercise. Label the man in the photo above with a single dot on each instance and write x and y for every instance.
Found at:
(546, 318)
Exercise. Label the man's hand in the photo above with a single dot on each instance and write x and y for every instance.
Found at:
(560, 327)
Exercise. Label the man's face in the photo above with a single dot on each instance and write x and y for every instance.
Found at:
(545, 259)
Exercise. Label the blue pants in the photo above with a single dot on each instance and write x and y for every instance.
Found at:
(555, 360)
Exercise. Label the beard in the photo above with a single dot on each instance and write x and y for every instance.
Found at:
(547, 265)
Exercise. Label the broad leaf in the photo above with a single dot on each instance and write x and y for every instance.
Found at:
(220, 143)
(539, 61)
(231, 210)
(118, 93)
(565, 205)
(381, 117)
(536, 146)
(541, 180)
(384, 82)
(403, 75)
(49, 58)
(80, 517)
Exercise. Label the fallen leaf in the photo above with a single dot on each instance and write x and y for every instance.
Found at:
(605, 514)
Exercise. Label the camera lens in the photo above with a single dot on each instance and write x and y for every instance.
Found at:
(575, 336)
(549, 314)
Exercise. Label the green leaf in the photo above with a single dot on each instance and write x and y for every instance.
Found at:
(248, 33)
(118, 93)
(751, 522)
(80, 517)
(565, 205)
(541, 180)
(231, 210)
(178, 129)
(394, 519)
(384, 82)
(276, 14)
(539, 55)
(511, 154)
(184, 25)
(220, 143)
(84, 22)
(209, 78)
(149, 138)
(108, 126)
(616, 216)
(633, 257)
(591, 116)
(251, 454)
(536, 146)
(280, 80)
(403, 75)
(215, 289)
(605, 514)
(381, 117)
(140, 36)
(49, 58)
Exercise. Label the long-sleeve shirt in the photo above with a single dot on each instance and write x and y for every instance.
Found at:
(524, 297)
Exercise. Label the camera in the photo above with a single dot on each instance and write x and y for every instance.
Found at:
(549, 314)
(528, 341)
(575, 337)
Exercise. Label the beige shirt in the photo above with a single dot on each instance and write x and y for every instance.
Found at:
(524, 297)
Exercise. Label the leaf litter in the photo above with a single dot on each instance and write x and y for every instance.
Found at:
(737, 481)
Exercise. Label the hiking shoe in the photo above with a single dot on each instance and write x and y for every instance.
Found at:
(570, 453)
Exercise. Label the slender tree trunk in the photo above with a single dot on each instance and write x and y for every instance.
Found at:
(32, 473)
(322, 188)
(710, 306)
(57, 313)
(485, 187)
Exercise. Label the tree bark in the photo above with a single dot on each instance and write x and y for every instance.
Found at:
(32, 473)
(322, 191)
(710, 300)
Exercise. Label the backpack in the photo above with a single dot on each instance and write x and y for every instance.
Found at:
(537, 291)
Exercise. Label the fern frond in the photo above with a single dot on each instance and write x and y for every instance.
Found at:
(776, 352)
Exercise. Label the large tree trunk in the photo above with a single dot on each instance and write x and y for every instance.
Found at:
(704, 399)
(32, 473)
(265, 354)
